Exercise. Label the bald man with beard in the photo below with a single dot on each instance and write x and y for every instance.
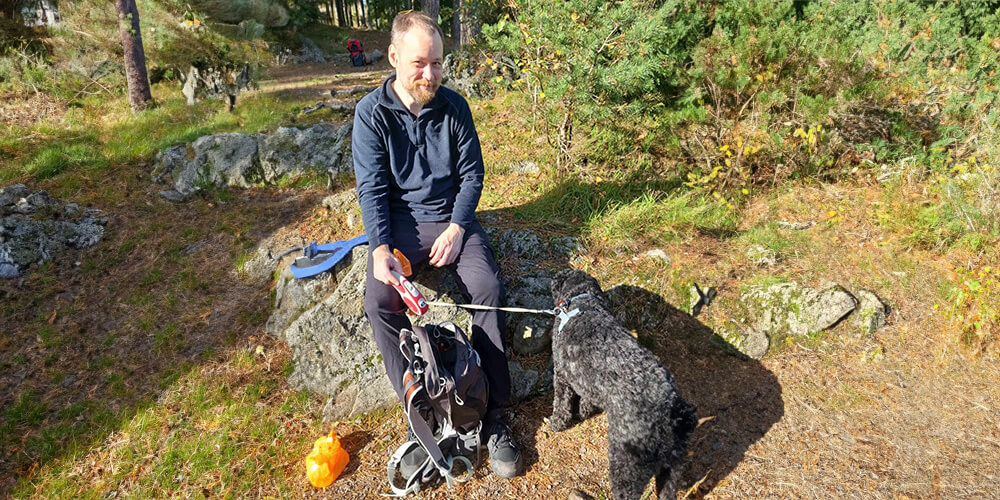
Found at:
(419, 170)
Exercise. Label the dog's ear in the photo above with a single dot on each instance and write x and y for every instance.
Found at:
(559, 283)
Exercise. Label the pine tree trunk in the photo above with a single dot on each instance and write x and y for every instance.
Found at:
(139, 96)
(456, 23)
(432, 8)
(341, 18)
(466, 27)
(9, 9)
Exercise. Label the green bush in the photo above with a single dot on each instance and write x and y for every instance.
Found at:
(593, 62)
(814, 89)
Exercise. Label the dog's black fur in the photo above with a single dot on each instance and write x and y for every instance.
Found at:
(599, 365)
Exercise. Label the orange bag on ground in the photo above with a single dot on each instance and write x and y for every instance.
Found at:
(326, 461)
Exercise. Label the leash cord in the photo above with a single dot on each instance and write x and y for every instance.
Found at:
(551, 312)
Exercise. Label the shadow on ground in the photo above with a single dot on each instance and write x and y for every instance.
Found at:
(95, 335)
(737, 398)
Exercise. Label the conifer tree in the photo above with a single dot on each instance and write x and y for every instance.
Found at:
(139, 95)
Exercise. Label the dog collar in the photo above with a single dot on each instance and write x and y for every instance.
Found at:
(564, 315)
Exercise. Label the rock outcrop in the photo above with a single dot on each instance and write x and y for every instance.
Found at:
(771, 312)
(245, 160)
(34, 227)
(334, 355)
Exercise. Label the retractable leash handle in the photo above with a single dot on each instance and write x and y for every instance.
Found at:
(411, 296)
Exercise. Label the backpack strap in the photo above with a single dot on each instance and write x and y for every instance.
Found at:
(416, 347)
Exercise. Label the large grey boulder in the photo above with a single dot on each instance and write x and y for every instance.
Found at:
(34, 227)
(529, 333)
(323, 322)
(522, 380)
(293, 296)
(333, 352)
(792, 309)
(310, 52)
(228, 159)
(244, 160)
(290, 151)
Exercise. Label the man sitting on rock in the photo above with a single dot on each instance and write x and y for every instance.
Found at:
(419, 171)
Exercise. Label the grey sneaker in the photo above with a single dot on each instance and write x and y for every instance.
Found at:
(505, 457)
(412, 460)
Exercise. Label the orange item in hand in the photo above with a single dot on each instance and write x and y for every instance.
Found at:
(403, 262)
(326, 461)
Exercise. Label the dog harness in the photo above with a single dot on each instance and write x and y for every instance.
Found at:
(564, 315)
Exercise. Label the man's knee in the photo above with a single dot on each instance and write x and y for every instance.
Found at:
(486, 289)
(381, 299)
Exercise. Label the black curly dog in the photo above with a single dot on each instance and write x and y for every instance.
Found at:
(599, 365)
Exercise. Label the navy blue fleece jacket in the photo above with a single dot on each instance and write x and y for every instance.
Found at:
(409, 169)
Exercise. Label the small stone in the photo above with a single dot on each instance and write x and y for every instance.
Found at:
(871, 314)
(8, 270)
(796, 226)
(173, 195)
(522, 381)
(193, 247)
(578, 495)
(761, 256)
(756, 344)
(532, 334)
(525, 167)
(658, 254)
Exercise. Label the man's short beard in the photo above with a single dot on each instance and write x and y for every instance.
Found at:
(420, 95)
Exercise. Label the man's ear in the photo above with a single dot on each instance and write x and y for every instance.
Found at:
(393, 55)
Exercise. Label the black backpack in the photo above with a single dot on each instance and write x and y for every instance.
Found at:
(357, 53)
(443, 365)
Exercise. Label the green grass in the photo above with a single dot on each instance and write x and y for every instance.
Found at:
(774, 237)
(102, 133)
(207, 434)
(653, 220)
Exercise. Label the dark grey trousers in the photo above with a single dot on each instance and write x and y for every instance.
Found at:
(479, 279)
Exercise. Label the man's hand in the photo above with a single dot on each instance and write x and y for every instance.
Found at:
(383, 263)
(446, 247)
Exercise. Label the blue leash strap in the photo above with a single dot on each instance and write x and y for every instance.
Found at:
(339, 250)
